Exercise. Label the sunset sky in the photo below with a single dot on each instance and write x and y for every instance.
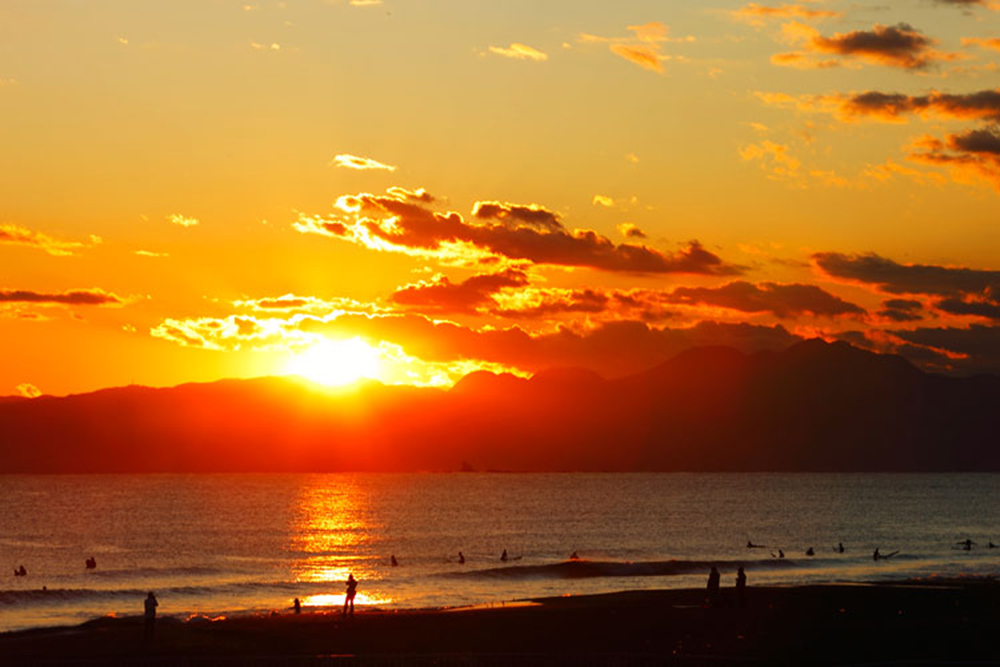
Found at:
(414, 189)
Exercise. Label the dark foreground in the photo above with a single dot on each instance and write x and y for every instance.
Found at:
(811, 625)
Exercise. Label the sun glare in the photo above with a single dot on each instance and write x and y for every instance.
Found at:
(337, 362)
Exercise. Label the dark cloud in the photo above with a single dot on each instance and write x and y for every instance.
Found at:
(901, 310)
(973, 350)
(894, 278)
(975, 153)
(394, 222)
(781, 300)
(467, 296)
(82, 297)
(531, 215)
(980, 105)
(900, 45)
(987, 309)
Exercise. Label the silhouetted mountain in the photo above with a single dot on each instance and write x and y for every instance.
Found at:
(814, 406)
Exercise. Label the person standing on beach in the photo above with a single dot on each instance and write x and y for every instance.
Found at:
(150, 616)
(352, 590)
(713, 586)
(741, 587)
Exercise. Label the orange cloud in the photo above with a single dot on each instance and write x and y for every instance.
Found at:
(975, 154)
(985, 43)
(17, 235)
(899, 46)
(755, 14)
(515, 232)
(644, 48)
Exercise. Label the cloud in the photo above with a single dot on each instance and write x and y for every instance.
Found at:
(519, 51)
(756, 15)
(28, 390)
(17, 235)
(979, 105)
(630, 231)
(359, 163)
(990, 4)
(365, 3)
(899, 46)
(182, 220)
(784, 301)
(307, 304)
(901, 310)
(150, 253)
(974, 153)
(644, 48)
(602, 200)
(773, 158)
(468, 296)
(393, 223)
(985, 43)
(80, 297)
(975, 349)
(961, 291)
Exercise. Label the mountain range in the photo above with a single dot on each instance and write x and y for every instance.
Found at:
(815, 406)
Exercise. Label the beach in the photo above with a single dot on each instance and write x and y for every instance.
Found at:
(947, 621)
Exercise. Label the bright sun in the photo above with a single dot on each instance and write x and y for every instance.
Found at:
(336, 362)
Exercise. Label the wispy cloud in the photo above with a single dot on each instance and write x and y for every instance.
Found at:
(643, 48)
(359, 163)
(182, 220)
(519, 51)
(79, 297)
(17, 235)
(756, 15)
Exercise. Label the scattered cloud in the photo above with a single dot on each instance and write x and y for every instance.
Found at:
(441, 295)
(80, 297)
(150, 253)
(958, 290)
(643, 48)
(17, 235)
(973, 154)
(901, 46)
(757, 15)
(979, 105)
(783, 301)
(519, 51)
(365, 3)
(602, 200)
(182, 220)
(359, 163)
(992, 43)
(630, 231)
(515, 232)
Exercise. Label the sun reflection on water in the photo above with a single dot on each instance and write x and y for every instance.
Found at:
(330, 538)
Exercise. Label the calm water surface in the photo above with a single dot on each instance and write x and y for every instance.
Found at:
(212, 544)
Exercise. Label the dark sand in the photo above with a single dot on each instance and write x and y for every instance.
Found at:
(809, 625)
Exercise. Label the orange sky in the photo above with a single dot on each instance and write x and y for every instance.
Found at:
(410, 191)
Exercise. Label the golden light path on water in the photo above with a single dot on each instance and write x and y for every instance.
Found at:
(331, 528)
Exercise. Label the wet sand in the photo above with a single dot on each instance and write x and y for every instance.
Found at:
(944, 622)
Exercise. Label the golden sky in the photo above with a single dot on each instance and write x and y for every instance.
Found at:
(414, 189)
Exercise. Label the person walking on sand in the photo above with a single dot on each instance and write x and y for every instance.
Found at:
(150, 616)
(741, 587)
(297, 606)
(352, 590)
(712, 589)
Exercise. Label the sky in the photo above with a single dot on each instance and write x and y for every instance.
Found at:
(412, 190)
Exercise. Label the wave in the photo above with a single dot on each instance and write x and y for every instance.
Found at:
(69, 595)
(587, 569)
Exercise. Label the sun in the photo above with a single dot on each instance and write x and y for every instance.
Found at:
(337, 362)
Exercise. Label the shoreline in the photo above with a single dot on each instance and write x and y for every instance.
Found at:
(946, 620)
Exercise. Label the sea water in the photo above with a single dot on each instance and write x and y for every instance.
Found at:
(232, 544)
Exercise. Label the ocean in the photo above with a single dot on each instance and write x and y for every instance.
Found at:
(234, 544)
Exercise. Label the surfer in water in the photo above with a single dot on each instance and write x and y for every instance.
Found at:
(840, 548)
(461, 558)
(503, 556)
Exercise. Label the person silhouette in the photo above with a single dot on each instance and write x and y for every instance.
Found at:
(966, 544)
(297, 606)
(840, 548)
(461, 558)
(20, 572)
(574, 556)
(876, 555)
(393, 561)
(712, 590)
(352, 590)
(503, 556)
(781, 554)
(91, 563)
(810, 552)
(741, 586)
(149, 615)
